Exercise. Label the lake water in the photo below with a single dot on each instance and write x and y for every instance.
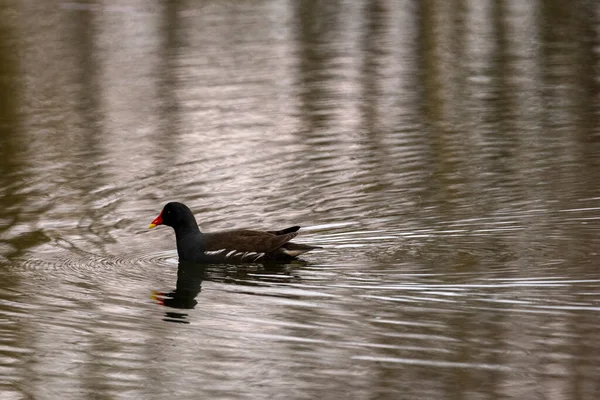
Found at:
(445, 155)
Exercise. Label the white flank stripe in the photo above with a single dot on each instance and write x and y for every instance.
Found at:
(235, 253)
(214, 252)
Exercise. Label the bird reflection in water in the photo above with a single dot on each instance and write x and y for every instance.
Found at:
(190, 277)
(189, 281)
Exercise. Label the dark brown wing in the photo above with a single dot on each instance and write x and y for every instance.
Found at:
(284, 231)
(247, 240)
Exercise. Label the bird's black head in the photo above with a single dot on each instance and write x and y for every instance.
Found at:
(176, 215)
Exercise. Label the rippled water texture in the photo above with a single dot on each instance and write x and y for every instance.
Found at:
(445, 155)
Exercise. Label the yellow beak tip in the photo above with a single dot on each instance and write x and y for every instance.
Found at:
(151, 226)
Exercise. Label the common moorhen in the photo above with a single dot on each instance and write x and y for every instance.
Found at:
(235, 246)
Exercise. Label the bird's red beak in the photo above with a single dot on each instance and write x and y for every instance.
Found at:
(157, 221)
(158, 297)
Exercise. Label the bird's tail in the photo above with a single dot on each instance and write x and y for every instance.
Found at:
(295, 249)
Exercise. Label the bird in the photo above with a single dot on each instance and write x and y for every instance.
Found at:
(232, 246)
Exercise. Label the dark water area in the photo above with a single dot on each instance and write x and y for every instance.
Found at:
(445, 155)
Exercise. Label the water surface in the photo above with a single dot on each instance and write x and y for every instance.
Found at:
(446, 156)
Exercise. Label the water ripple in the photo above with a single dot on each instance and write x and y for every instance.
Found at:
(93, 266)
(434, 363)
